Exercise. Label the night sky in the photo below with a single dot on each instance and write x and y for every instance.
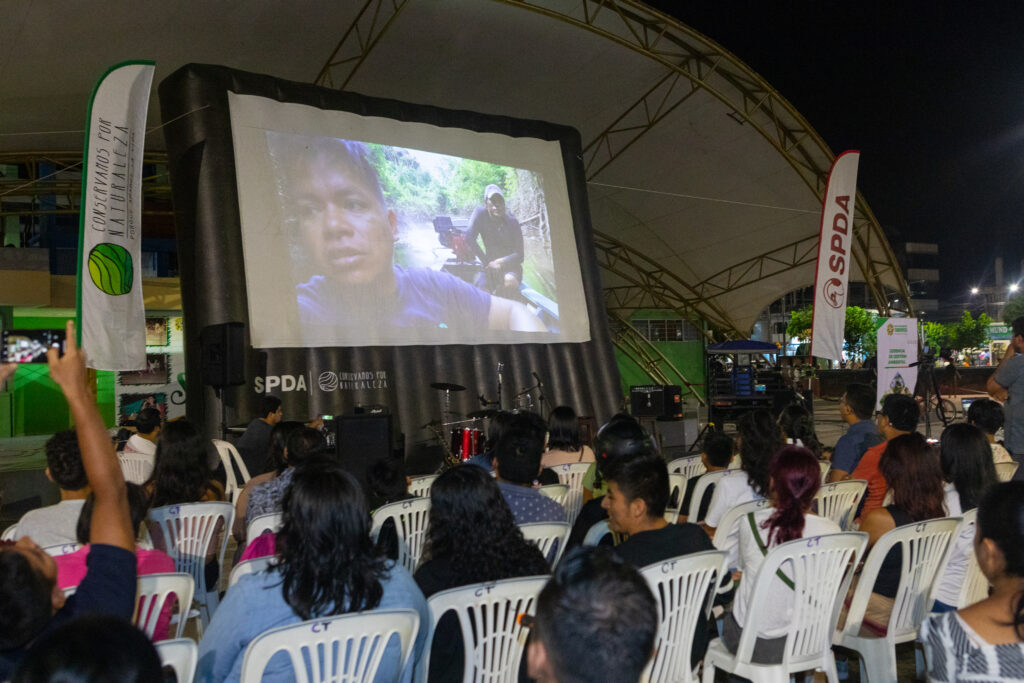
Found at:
(932, 94)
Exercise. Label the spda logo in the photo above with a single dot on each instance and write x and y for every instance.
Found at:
(834, 293)
(272, 383)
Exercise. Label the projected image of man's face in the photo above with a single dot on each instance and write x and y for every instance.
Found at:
(348, 235)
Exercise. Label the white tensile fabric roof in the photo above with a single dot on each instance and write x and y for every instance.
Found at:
(707, 187)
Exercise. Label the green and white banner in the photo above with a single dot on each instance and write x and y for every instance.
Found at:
(897, 350)
(111, 316)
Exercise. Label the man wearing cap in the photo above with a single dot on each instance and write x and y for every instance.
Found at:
(502, 252)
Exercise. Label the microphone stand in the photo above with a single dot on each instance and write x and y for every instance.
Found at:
(540, 397)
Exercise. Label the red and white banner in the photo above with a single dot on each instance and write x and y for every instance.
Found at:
(835, 258)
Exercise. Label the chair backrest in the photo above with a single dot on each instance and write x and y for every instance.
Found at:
(727, 531)
(341, 649)
(677, 489)
(691, 466)
(556, 492)
(550, 537)
(186, 532)
(136, 467)
(975, 585)
(252, 566)
(705, 481)
(820, 568)
(228, 455)
(182, 655)
(153, 592)
(410, 519)
(925, 545)
(257, 525)
(62, 549)
(601, 529)
(572, 475)
(491, 634)
(420, 486)
(1006, 470)
(9, 533)
(825, 466)
(683, 587)
(838, 501)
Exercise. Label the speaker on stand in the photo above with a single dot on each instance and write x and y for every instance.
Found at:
(222, 351)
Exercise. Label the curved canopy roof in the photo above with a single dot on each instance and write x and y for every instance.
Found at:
(705, 185)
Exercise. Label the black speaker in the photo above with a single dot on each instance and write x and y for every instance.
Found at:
(655, 400)
(223, 352)
(362, 441)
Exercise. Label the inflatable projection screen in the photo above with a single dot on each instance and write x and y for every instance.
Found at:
(372, 247)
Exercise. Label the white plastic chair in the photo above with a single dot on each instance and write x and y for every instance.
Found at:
(691, 466)
(684, 587)
(182, 655)
(975, 586)
(411, 518)
(545, 535)
(186, 532)
(247, 567)
(727, 532)
(819, 567)
(153, 591)
(676, 487)
(572, 475)
(1006, 470)
(228, 455)
(135, 467)
(705, 481)
(9, 533)
(348, 648)
(420, 486)
(925, 548)
(556, 492)
(62, 549)
(488, 619)
(825, 466)
(601, 529)
(838, 501)
(257, 525)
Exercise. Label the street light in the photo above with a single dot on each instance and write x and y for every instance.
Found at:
(974, 290)
(1014, 287)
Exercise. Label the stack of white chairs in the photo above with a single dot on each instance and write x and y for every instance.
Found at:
(820, 569)
(838, 501)
(420, 486)
(349, 647)
(228, 455)
(549, 537)
(410, 518)
(572, 475)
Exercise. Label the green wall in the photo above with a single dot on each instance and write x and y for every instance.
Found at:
(687, 356)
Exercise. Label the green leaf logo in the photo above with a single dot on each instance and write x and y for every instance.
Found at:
(110, 267)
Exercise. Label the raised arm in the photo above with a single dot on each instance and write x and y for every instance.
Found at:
(111, 522)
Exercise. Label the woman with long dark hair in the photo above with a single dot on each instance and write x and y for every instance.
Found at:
(472, 537)
(914, 482)
(797, 425)
(326, 565)
(182, 472)
(968, 472)
(758, 438)
(986, 640)
(276, 464)
(795, 477)
(565, 445)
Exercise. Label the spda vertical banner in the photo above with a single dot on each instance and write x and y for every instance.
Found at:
(111, 317)
(834, 257)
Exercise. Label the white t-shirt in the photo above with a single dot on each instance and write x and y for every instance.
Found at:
(778, 609)
(52, 525)
(730, 492)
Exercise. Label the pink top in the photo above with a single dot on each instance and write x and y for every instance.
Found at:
(71, 569)
(261, 546)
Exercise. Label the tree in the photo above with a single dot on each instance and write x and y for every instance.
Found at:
(1013, 309)
(858, 329)
(970, 333)
(800, 323)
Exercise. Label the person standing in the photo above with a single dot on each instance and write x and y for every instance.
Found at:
(1006, 384)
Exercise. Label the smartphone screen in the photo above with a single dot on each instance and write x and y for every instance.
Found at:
(29, 346)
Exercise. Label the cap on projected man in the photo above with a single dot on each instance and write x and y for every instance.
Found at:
(332, 194)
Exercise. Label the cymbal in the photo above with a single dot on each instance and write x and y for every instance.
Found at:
(484, 413)
(447, 386)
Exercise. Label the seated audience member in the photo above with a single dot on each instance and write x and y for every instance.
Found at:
(253, 444)
(496, 427)
(142, 444)
(55, 524)
(795, 477)
(564, 443)
(93, 649)
(987, 415)
(636, 500)
(718, 451)
(471, 538)
(326, 565)
(518, 454)
(968, 473)
(32, 604)
(596, 621)
(621, 438)
(855, 408)
(276, 464)
(387, 483)
(304, 445)
(911, 470)
(182, 471)
(758, 438)
(592, 483)
(985, 641)
(797, 426)
(899, 416)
